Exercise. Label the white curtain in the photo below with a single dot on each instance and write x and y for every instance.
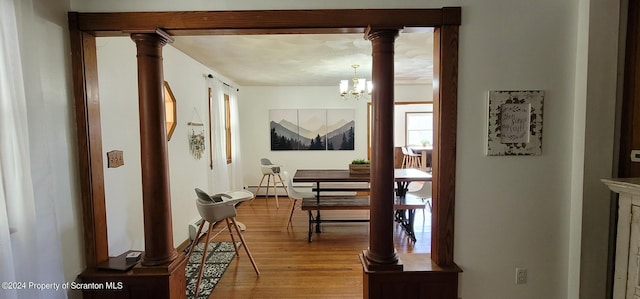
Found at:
(219, 175)
(236, 164)
(21, 237)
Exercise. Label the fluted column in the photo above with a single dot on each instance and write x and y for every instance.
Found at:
(156, 194)
(381, 254)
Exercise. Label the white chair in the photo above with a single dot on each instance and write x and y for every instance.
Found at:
(294, 194)
(425, 193)
(212, 210)
(411, 159)
(271, 171)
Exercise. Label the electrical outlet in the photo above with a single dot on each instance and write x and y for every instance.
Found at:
(521, 275)
(635, 156)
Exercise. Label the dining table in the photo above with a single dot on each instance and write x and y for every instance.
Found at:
(324, 180)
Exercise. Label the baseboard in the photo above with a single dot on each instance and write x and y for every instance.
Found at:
(263, 190)
(184, 246)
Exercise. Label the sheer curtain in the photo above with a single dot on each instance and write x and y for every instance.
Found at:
(236, 164)
(219, 175)
(20, 233)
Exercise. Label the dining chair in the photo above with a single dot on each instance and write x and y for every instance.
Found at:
(271, 171)
(410, 159)
(294, 194)
(217, 208)
(425, 194)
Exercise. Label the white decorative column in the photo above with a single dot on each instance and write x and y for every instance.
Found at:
(625, 280)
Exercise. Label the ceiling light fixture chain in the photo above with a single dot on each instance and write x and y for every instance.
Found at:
(360, 88)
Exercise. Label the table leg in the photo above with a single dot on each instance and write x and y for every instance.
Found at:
(310, 225)
(409, 224)
(403, 187)
(318, 230)
(406, 222)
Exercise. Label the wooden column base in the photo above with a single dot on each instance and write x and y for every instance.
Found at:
(162, 282)
(369, 266)
(419, 278)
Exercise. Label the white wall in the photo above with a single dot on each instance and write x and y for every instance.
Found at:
(595, 85)
(51, 118)
(510, 211)
(120, 130)
(254, 106)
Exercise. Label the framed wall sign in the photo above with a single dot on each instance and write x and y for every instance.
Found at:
(515, 123)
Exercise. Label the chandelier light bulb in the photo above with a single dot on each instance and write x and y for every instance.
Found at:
(360, 88)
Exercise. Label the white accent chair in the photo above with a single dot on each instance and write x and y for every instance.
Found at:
(294, 194)
(411, 159)
(212, 210)
(425, 193)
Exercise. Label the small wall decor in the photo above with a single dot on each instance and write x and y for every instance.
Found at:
(196, 136)
(115, 159)
(515, 123)
(170, 110)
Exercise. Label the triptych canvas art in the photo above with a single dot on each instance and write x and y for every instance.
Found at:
(312, 129)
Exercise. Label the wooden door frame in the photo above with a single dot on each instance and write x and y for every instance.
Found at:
(629, 134)
(85, 27)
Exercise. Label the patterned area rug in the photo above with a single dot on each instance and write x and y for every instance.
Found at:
(219, 255)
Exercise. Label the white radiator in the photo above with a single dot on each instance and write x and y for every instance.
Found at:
(193, 228)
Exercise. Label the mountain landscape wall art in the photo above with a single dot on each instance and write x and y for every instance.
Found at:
(312, 129)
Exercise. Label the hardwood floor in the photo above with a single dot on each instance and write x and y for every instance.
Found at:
(291, 267)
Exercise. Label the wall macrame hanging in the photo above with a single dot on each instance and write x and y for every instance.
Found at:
(196, 135)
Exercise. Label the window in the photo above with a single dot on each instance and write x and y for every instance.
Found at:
(419, 128)
(227, 126)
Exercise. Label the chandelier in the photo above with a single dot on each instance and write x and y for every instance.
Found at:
(360, 88)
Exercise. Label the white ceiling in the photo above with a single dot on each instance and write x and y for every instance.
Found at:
(306, 59)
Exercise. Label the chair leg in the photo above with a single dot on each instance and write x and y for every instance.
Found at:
(275, 191)
(233, 239)
(268, 185)
(293, 207)
(195, 241)
(204, 255)
(246, 248)
(283, 186)
(259, 186)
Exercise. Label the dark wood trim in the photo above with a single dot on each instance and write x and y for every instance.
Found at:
(261, 21)
(381, 253)
(154, 150)
(630, 133)
(89, 137)
(210, 128)
(85, 26)
(445, 131)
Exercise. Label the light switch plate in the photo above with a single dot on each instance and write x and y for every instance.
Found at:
(635, 156)
(114, 159)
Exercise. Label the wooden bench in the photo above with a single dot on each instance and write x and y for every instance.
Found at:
(408, 203)
(342, 189)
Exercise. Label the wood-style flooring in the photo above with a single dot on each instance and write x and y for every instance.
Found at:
(291, 267)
